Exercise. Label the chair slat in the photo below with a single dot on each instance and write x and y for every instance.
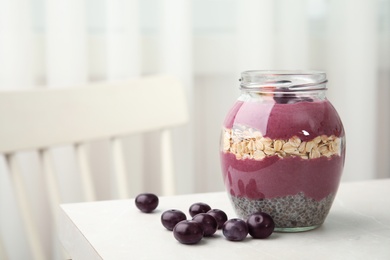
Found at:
(51, 182)
(134, 148)
(35, 243)
(85, 172)
(53, 192)
(121, 183)
(167, 172)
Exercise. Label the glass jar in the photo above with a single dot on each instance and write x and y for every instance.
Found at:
(283, 148)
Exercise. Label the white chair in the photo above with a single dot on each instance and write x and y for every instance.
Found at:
(40, 119)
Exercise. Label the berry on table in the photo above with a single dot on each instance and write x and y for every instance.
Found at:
(198, 207)
(188, 232)
(171, 217)
(146, 202)
(208, 222)
(260, 225)
(219, 215)
(235, 229)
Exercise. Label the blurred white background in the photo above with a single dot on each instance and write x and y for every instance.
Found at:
(206, 43)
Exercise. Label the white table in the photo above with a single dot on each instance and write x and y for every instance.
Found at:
(358, 227)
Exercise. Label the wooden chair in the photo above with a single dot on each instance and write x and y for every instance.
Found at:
(43, 118)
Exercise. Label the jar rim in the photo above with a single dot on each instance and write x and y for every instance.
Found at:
(283, 80)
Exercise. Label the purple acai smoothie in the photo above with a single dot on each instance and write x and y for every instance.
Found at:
(284, 159)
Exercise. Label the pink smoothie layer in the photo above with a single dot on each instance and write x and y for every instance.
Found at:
(274, 176)
(306, 120)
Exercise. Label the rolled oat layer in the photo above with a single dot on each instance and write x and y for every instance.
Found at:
(247, 143)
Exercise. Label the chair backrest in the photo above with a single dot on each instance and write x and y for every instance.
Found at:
(39, 119)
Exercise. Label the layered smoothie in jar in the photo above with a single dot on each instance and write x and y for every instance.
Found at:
(283, 149)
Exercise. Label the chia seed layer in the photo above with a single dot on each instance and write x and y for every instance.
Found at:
(288, 212)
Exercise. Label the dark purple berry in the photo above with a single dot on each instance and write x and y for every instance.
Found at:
(198, 207)
(208, 222)
(260, 225)
(146, 202)
(188, 232)
(235, 229)
(171, 217)
(283, 98)
(219, 215)
(289, 98)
